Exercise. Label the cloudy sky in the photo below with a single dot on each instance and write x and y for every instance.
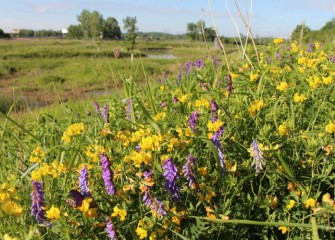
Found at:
(276, 18)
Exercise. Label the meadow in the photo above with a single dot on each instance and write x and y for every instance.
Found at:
(196, 148)
(38, 72)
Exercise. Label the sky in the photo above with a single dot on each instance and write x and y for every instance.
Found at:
(269, 18)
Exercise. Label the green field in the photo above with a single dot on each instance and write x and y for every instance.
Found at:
(38, 72)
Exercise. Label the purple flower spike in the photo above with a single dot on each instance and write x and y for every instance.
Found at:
(214, 111)
(179, 78)
(83, 182)
(110, 230)
(229, 86)
(193, 120)
(188, 170)
(188, 66)
(216, 141)
(171, 176)
(149, 201)
(38, 203)
(257, 155)
(107, 174)
(97, 107)
(105, 113)
(199, 63)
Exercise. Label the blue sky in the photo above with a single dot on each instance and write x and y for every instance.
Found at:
(274, 18)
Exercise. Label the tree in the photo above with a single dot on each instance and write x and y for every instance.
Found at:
(192, 31)
(112, 29)
(91, 23)
(129, 24)
(74, 32)
(3, 34)
(210, 34)
(296, 34)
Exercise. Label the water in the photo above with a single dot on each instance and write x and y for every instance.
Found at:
(160, 55)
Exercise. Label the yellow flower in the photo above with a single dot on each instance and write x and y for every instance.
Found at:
(53, 213)
(87, 211)
(294, 47)
(283, 229)
(202, 103)
(283, 86)
(141, 232)
(214, 126)
(153, 236)
(255, 107)
(184, 98)
(122, 213)
(302, 60)
(160, 116)
(277, 41)
(37, 155)
(282, 129)
(310, 203)
(316, 45)
(330, 128)
(234, 75)
(72, 130)
(36, 175)
(291, 204)
(7, 237)
(299, 98)
(12, 208)
(327, 80)
(253, 77)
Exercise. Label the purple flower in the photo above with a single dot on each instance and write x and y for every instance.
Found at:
(38, 202)
(257, 155)
(214, 111)
(97, 107)
(83, 182)
(171, 176)
(107, 174)
(229, 86)
(278, 55)
(216, 141)
(193, 120)
(188, 170)
(175, 100)
(105, 113)
(199, 63)
(138, 148)
(149, 201)
(188, 66)
(153, 203)
(163, 104)
(110, 229)
(179, 78)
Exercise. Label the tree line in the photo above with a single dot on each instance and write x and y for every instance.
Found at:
(306, 35)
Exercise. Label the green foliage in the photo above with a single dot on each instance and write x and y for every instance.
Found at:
(129, 24)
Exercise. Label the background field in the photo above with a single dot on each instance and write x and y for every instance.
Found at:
(35, 72)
